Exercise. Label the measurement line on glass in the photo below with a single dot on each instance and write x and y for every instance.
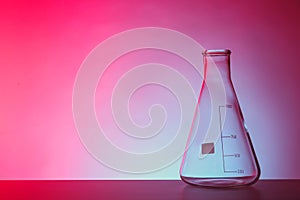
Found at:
(231, 136)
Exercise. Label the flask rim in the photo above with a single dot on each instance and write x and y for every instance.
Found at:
(216, 52)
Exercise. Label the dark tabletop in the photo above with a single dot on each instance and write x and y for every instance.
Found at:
(144, 189)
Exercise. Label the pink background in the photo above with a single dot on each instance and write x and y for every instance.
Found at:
(42, 45)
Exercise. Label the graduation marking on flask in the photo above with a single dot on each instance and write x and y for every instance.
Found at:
(227, 137)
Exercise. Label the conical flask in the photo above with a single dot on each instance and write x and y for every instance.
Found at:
(219, 152)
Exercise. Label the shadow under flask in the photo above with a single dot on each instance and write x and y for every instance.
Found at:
(219, 152)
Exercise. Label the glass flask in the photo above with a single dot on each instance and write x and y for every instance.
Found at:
(219, 152)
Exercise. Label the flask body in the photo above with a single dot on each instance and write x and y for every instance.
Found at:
(219, 151)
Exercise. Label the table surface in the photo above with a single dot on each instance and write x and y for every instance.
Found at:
(144, 189)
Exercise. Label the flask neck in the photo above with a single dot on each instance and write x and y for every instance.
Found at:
(216, 64)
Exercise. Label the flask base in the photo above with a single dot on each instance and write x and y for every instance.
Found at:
(220, 182)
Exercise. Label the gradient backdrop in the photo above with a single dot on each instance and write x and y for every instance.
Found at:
(42, 45)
